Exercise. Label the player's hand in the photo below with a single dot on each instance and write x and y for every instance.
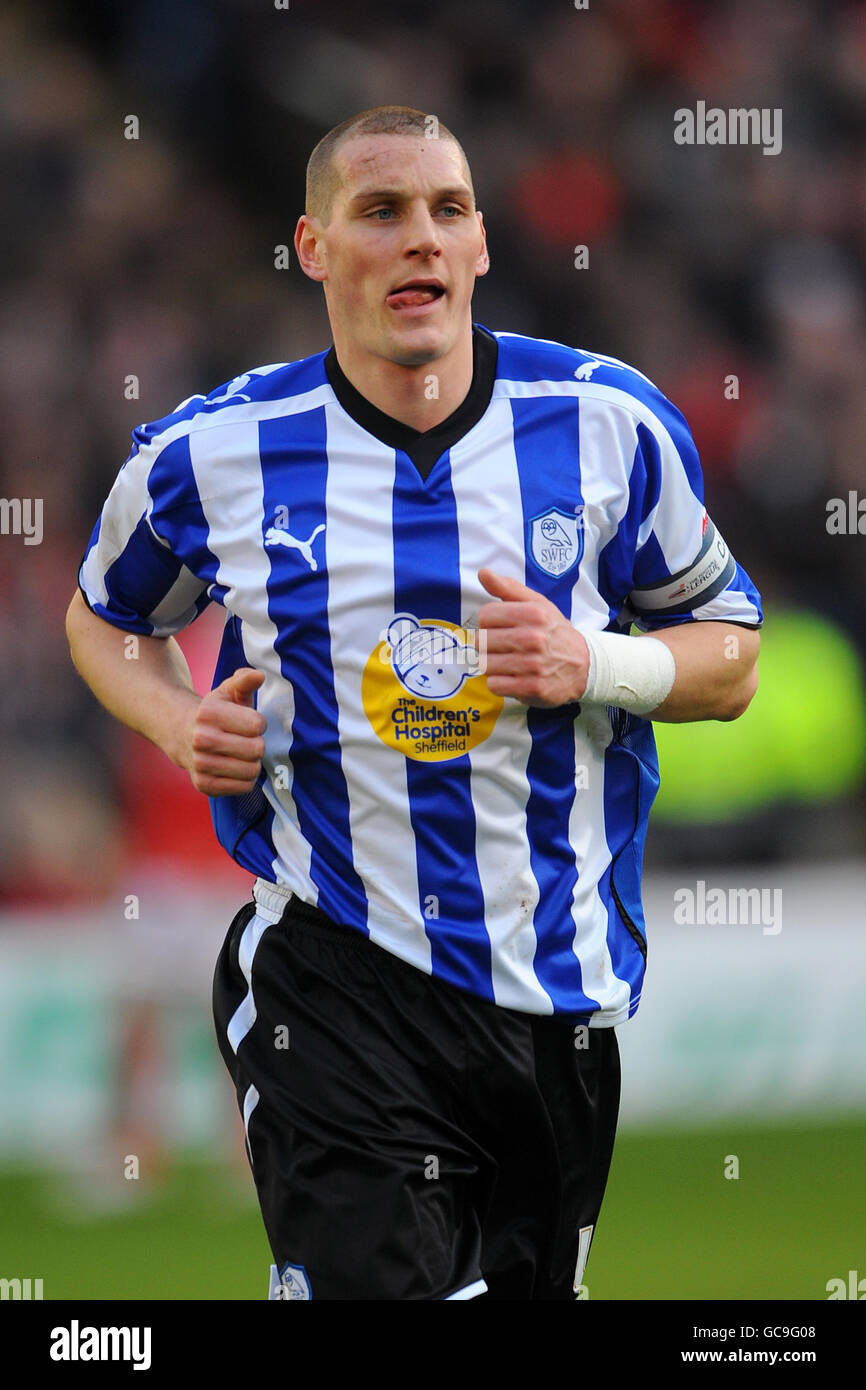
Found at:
(225, 746)
(533, 653)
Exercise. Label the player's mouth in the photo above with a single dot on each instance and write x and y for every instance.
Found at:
(415, 295)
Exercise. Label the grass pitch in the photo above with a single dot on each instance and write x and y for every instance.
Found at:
(673, 1225)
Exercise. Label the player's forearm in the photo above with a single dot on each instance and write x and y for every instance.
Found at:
(716, 675)
(145, 682)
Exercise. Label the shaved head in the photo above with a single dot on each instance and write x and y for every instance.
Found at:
(323, 173)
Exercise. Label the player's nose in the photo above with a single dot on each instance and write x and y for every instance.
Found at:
(422, 232)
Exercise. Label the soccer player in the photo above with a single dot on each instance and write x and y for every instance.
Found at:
(429, 734)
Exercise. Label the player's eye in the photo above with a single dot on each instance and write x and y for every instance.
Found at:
(453, 209)
(382, 214)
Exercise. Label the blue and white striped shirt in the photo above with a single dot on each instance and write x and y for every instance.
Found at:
(495, 846)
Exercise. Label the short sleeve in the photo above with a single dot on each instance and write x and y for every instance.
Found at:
(142, 567)
(682, 568)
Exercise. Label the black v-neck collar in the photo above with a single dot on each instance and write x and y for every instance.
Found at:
(423, 447)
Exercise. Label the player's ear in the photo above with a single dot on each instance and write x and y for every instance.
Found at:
(309, 247)
(482, 265)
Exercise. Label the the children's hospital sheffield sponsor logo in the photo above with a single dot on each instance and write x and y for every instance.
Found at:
(424, 689)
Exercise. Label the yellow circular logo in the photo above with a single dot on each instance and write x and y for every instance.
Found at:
(424, 690)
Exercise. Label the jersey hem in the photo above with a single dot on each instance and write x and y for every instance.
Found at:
(272, 899)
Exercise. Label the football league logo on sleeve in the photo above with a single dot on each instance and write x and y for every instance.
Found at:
(424, 691)
(556, 540)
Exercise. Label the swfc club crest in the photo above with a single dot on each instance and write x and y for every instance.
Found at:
(556, 540)
(294, 1284)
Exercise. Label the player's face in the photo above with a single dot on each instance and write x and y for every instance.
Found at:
(401, 251)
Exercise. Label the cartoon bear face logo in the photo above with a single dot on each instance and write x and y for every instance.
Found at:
(429, 661)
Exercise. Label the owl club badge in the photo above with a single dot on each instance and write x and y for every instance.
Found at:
(556, 540)
(424, 690)
(293, 1285)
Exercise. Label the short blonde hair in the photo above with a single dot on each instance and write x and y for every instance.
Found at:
(323, 180)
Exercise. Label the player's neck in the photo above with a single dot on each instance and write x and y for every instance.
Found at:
(418, 396)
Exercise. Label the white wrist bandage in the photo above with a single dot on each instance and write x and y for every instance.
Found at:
(634, 673)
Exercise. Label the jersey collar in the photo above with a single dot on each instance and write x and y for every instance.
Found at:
(423, 447)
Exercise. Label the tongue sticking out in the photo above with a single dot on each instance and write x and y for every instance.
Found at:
(410, 297)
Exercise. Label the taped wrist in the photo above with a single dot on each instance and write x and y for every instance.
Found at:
(634, 673)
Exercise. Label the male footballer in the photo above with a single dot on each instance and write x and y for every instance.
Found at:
(429, 735)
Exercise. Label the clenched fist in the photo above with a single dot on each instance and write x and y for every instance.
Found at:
(224, 742)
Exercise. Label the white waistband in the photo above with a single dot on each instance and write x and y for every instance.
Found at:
(271, 898)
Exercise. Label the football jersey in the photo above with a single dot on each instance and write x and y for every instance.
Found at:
(494, 845)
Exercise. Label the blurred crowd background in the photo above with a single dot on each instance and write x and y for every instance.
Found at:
(154, 258)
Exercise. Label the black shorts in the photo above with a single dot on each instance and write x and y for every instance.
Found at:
(407, 1140)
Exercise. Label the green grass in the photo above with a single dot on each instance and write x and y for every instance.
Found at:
(672, 1226)
(195, 1237)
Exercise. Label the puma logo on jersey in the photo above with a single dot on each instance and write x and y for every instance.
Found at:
(586, 369)
(233, 389)
(274, 536)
